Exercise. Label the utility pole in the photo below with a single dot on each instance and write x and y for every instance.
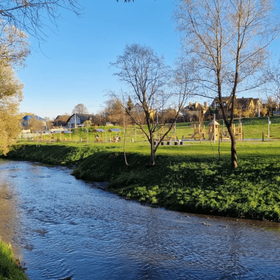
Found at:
(214, 128)
(268, 128)
(214, 120)
(259, 110)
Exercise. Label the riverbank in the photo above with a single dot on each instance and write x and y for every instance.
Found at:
(10, 268)
(195, 178)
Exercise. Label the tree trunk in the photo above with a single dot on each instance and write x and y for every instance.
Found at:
(152, 159)
(124, 151)
(234, 163)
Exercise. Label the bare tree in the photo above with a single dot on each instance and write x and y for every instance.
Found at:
(148, 79)
(272, 76)
(14, 47)
(272, 104)
(80, 109)
(228, 39)
(114, 110)
(35, 124)
(29, 15)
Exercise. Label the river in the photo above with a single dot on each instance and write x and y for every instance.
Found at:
(67, 228)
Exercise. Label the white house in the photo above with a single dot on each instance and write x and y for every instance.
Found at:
(78, 119)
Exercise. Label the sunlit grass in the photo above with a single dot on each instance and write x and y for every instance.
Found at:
(252, 128)
(9, 267)
(195, 177)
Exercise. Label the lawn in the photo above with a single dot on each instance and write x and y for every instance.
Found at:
(253, 128)
(196, 177)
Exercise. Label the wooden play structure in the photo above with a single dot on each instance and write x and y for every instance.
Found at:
(237, 131)
(98, 135)
(172, 135)
(117, 137)
(214, 130)
(199, 132)
(63, 135)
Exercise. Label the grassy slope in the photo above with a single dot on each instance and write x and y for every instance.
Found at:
(9, 269)
(186, 178)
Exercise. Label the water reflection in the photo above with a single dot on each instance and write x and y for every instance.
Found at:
(69, 228)
(9, 215)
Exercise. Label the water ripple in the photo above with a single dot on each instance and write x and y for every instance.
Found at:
(64, 228)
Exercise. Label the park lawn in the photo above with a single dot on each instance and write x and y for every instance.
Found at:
(253, 128)
(196, 177)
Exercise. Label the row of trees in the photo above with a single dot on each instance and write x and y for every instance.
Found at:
(17, 18)
(13, 52)
(224, 50)
(228, 40)
(224, 46)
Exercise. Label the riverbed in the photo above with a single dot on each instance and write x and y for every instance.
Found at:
(63, 227)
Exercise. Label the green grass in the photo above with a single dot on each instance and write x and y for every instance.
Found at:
(193, 178)
(9, 267)
(252, 129)
(196, 177)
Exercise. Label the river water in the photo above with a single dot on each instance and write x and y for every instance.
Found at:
(63, 227)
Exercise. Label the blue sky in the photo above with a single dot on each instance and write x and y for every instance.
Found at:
(73, 65)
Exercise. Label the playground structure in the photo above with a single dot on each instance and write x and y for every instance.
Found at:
(117, 137)
(173, 136)
(98, 135)
(237, 132)
(199, 132)
(214, 130)
(56, 135)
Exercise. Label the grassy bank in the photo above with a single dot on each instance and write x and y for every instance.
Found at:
(9, 267)
(195, 177)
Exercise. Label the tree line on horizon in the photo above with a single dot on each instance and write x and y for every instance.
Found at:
(224, 52)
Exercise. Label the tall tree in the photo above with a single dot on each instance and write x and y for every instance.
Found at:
(29, 15)
(228, 39)
(13, 51)
(80, 109)
(114, 111)
(272, 104)
(272, 77)
(35, 124)
(148, 80)
(11, 93)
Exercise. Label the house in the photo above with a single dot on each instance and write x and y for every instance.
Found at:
(78, 120)
(61, 120)
(244, 107)
(109, 123)
(33, 122)
(226, 101)
(194, 111)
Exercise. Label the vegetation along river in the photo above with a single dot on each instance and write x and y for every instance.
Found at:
(67, 228)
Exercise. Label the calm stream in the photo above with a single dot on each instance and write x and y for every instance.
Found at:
(63, 227)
